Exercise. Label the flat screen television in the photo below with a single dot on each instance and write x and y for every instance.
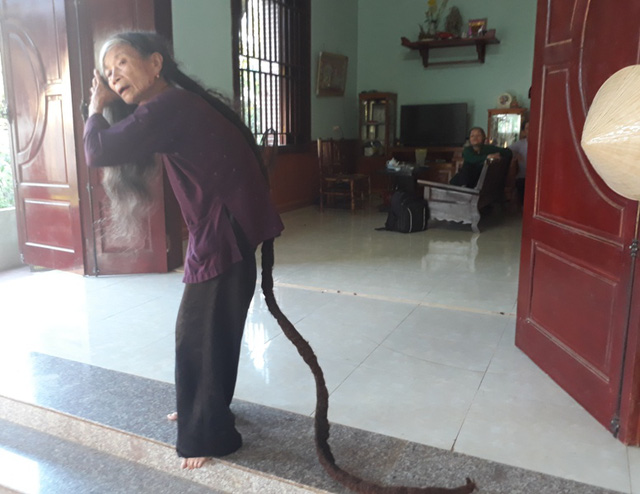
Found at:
(441, 124)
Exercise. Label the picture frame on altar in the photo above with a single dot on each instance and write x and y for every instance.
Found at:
(477, 27)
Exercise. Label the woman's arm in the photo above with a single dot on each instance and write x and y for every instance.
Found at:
(506, 153)
(470, 156)
(150, 129)
(495, 152)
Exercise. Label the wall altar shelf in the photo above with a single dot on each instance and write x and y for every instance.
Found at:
(424, 46)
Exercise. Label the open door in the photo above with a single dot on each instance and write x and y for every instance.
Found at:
(160, 248)
(38, 92)
(578, 256)
(48, 56)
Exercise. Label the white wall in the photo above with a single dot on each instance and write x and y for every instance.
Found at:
(9, 252)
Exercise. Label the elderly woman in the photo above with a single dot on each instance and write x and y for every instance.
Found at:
(474, 157)
(216, 173)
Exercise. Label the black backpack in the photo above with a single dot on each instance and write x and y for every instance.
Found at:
(407, 214)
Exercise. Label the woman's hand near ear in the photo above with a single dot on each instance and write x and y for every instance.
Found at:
(101, 94)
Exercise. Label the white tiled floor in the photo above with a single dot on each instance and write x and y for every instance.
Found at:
(414, 332)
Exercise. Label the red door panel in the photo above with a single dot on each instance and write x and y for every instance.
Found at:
(60, 222)
(34, 43)
(160, 246)
(576, 270)
(599, 212)
(147, 255)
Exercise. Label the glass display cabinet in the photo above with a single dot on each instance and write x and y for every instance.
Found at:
(504, 125)
(377, 123)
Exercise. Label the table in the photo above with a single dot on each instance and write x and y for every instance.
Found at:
(405, 177)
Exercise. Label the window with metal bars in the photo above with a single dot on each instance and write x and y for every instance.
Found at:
(271, 67)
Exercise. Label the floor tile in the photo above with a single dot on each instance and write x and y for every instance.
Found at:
(464, 340)
(415, 334)
(376, 397)
(545, 437)
(275, 375)
(634, 468)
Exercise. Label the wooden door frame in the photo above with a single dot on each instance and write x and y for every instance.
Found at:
(62, 193)
(81, 57)
(78, 58)
(629, 412)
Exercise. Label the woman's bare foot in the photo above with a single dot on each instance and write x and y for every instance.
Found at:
(173, 416)
(193, 463)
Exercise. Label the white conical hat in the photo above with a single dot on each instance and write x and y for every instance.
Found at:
(611, 134)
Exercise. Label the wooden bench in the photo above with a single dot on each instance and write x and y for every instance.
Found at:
(463, 204)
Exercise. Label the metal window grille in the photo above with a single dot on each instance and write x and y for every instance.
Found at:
(272, 67)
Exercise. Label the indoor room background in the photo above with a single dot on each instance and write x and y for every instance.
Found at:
(368, 32)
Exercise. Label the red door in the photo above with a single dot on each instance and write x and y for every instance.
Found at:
(38, 91)
(160, 247)
(48, 53)
(576, 269)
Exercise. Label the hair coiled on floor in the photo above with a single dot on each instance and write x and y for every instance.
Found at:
(321, 422)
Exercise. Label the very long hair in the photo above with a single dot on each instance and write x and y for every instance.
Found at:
(321, 423)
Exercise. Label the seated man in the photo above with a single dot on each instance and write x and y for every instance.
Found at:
(474, 156)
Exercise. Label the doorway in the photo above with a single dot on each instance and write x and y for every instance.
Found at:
(9, 250)
(7, 192)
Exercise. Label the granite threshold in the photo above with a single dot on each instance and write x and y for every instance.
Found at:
(219, 474)
(124, 415)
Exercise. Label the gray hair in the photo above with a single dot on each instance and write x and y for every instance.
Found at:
(131, 200)
(128, 186)
(106, 46)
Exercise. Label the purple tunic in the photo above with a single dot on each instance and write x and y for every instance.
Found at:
(210, 167)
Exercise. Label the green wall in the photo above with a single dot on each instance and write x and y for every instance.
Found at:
(384, 64)
(202, 44)
(334, 29)
(202, 41)
(369, 32)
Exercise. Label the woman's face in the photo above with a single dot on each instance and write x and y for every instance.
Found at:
(476, 137)
(131, 76)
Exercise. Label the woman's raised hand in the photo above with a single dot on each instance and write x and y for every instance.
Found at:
(101, 94)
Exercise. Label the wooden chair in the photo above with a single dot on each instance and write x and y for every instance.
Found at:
(269, 150)
(510, 195)
(447, 172)
(337, 177)
(462, 204)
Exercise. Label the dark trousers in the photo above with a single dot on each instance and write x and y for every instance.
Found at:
(520, 190)
(468, 175)
(208, 340)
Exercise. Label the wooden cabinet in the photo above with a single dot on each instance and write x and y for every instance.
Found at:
(503, 129)
(377, 123)
(504, 126)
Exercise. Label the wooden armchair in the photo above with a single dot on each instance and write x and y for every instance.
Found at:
(269, 149)
(462, 204)
(337, 177)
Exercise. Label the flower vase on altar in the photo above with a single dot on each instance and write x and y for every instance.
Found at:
(432, 29)
(432, 18)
